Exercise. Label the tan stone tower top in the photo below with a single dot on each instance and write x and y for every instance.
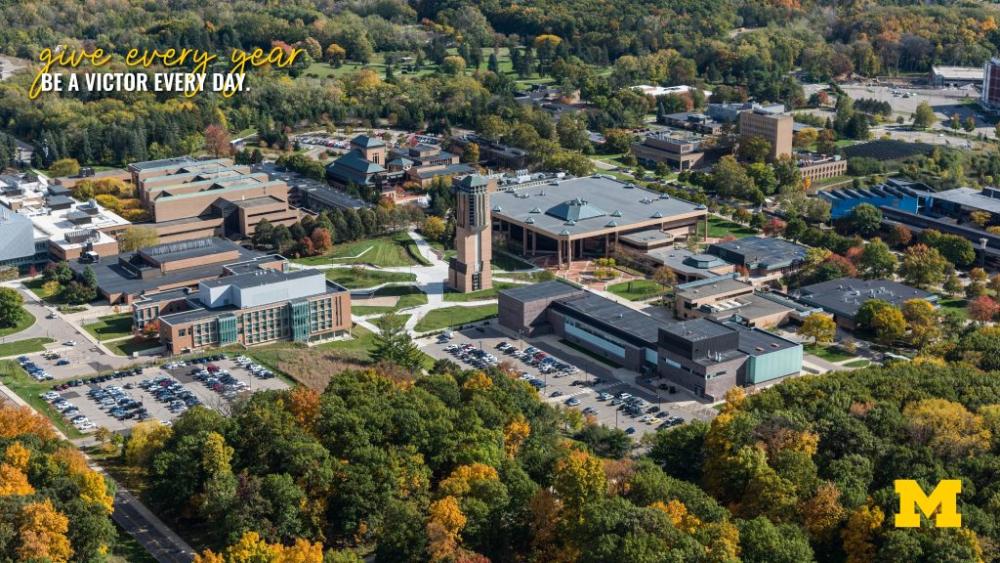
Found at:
(470, 269)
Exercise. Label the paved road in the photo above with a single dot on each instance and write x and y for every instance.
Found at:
(160, 541)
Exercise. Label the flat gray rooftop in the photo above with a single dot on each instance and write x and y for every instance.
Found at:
(697, 329)
(760, 252)
(845, 296)
(183, 250)
(543, 290)
(686, 262)
(970, 197)
(113, 278)
(261, 277)
(598, 311)
(146, 165)
(578, 206)
(711, 286)
(756, 342)
(646, 237)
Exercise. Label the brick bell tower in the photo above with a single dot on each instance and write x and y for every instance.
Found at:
(471, 269)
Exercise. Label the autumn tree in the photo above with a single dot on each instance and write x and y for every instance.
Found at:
(822, 513)
(821, 328)
(665, 277)
(922, 319)
(889, 325)
(433, 228)
(136, 238)
(146, 439)
(42, 530)
(445, 522)
(980, 218)
(578, 480)
(64, 167)
(321, 240)
(922, 266)
(983, 309)
(335, 55)
(217, 141)
(950, 429)
(859, 533)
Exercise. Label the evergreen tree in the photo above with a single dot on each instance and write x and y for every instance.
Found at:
(393, 344)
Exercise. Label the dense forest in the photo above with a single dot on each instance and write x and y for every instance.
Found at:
(53, 507)
(440, 67)
(465, 465)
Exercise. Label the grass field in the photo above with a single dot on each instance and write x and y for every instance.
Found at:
(356, 278)
(637, 290)
(36, 287)
(26, 346)
(958, 305)
(313, 366)
(409, 296)
(859, 363)
(110, 327)
(126, 347)
(18, 381)
(718, 228)
(454, 316)
(386, 252)
(478, 295)
(828, 353)
(27, 319)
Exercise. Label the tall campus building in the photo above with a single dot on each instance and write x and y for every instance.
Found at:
(470, 269)
(991, 85)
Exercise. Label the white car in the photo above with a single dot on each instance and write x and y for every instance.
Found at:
(50, 396)
(69, 343)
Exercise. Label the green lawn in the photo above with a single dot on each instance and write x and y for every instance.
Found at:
(718, 228)
(859, 363)
(386, 252)
(27, 319)
(409, 296)
(36, 287)
(110, 327)
(828, 353)
(352, 278)
(637, 290)
(26, 346)
(454, 316)
(478, 295)
(446, 253)
(126, 347)
(958, 305)
(18, 381)
(354, 349)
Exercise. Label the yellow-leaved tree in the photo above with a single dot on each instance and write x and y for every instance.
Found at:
(445, 522)
(42, 530)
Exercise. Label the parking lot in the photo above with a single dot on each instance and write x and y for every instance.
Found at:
(119, 400)
(594, 388)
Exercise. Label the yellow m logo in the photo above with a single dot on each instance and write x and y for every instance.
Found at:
(941, 504)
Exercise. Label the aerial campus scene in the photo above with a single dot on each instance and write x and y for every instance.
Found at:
(390, 281)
